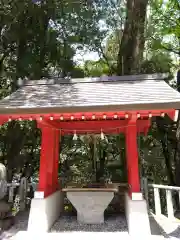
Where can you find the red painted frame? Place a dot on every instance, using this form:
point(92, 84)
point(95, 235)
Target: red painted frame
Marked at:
point(84, 127)
point(130, 123)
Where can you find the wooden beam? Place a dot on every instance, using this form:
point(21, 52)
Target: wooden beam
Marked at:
point(84, 127)
point(89, 115)
point(3, 120)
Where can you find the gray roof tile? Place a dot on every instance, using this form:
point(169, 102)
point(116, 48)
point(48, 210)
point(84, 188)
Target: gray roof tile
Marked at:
point(97, 95)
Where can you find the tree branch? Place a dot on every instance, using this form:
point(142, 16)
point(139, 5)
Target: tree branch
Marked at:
point(111, 68)
point(171, 50)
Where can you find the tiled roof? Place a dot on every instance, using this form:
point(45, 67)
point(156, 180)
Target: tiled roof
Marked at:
point(119, 93)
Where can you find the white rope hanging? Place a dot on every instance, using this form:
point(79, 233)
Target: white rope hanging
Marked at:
point(102, 135)
point(92, 130)
point(75, 137)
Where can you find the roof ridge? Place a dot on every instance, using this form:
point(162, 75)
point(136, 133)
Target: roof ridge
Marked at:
point(56, 80)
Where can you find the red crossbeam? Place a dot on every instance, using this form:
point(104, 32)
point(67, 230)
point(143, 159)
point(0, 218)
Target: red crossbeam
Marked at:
point(88, 115)
point(84, 127)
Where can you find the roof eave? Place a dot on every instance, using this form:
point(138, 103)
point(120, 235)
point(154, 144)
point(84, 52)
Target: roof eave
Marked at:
point(115, 108)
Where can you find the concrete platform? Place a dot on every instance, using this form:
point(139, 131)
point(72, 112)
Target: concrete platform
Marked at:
point(45, 211)
point(137, 217)
point(79, 236)
point(114, 226)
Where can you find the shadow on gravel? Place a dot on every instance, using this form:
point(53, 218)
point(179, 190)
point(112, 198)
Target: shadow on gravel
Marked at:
point(175, 234)
point(156, 229)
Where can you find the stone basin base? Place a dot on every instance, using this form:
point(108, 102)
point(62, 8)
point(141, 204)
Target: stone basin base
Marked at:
point(90, 206)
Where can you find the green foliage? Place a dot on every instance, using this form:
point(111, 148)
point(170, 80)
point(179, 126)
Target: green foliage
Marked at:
point(112, 46)
point(37, 38)
point(164, 26)
point(81, 165)
point(96, 68)
point(159, 62)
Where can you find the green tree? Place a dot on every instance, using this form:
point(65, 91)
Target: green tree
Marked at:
point(96, 68)
point(164, 26)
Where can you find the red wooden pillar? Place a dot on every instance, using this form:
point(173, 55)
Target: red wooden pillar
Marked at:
point(56, 160)
point(48, 173)
point(132, 157)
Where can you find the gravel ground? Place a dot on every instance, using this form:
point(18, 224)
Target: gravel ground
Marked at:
point(21, 222)
point(116, 223)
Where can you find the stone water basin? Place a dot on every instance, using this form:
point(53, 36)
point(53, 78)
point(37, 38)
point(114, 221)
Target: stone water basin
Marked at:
point(90, 203)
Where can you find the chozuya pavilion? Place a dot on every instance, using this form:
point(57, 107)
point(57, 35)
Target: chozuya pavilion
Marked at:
point(113, 105)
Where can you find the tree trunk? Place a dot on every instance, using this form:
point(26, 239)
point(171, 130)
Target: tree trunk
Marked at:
point(166, 152)
point(21, 51)
point(132, 43)
point(46, 13)
point(177, 154)
point(43, 28)
point(15, 139)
